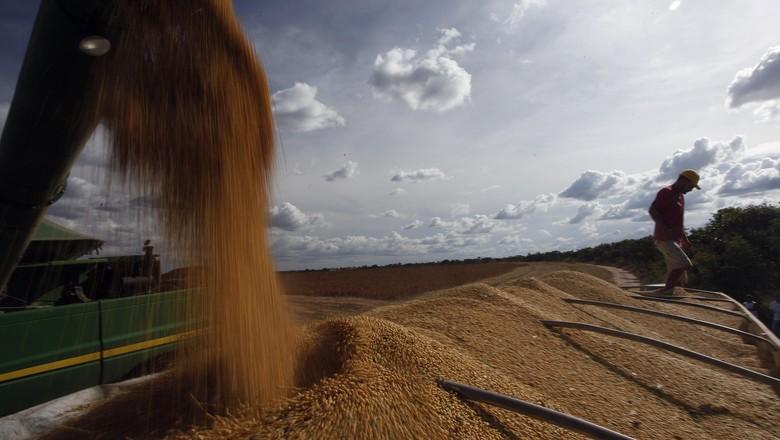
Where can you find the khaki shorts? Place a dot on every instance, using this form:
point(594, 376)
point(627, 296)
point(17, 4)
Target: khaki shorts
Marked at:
point(674, 255)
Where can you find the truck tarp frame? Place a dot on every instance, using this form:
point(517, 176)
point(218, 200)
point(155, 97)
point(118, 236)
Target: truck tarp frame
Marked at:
point(701, 306)
point(720, 327)
point(755, 375)
point(535, 411)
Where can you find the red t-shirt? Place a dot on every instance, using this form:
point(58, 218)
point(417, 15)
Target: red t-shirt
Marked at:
point(670, 205)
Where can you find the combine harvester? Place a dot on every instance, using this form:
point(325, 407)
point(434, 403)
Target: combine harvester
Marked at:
point(70, 323)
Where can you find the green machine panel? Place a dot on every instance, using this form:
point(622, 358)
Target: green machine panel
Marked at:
point(139, 329)
point(48, 353)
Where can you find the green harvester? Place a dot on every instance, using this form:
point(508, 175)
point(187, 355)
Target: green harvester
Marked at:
point(70, 321)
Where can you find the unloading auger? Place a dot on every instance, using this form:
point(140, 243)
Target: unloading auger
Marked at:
point(49, 120)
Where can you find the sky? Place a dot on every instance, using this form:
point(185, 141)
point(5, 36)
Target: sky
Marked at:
point(416, 131)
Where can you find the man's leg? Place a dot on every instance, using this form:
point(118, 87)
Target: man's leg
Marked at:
point(677, 263)
point(674, 278)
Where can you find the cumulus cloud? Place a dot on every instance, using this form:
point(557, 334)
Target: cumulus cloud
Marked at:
point(394, 244)
point(437, 222)
point(593, 209)
point(729, 169)
point(413, 225)
point(475, 224)
point(519, 210)
point(592, 185)
point(618, 212)
point(768, 111)
point(752, 176)
point(519, 10)
point(297, 109)
point(512, 212)
point(703, 154)
point(289, 218)
point(431, 81)
point(348, 171)
point(756, 84)
point(122, 219)
point(583, 212)
point(421, 175)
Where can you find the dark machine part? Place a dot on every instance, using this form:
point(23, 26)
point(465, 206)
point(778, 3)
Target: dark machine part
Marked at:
point(47, 124)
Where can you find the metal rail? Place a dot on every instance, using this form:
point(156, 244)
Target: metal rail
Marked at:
point(701, 306)
point(723, 296)
point(761, 377)
point(712, 292)
point(702, 298)
point(724, 328)
point(529, 409)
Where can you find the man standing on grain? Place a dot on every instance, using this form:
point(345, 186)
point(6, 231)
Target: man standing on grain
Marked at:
point(669, 235)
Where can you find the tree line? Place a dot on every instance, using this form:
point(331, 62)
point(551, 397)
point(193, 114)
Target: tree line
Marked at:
point(736, 252)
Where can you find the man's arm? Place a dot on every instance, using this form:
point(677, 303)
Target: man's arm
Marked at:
point(658, 219)
point(686, 245)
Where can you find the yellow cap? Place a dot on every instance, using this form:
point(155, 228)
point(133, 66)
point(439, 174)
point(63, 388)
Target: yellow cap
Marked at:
point(692, 176)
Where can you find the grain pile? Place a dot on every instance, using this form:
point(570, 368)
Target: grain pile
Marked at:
point(188, 115)
point(379, 377)
point(373, 375)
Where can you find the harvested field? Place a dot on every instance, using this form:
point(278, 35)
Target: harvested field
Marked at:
point(405, 281)
point(374, 375)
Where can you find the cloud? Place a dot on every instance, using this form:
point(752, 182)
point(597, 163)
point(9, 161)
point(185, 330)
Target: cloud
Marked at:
point(413, 225)
point(348, 171)
point(519, 210)
point(768, 111)
point(289, 218)
point(519, 10)
point(459, 209)
point(421, 175)
point(758, 83)
point(618, 212)
point(592, 185)
point(394, 244)
point(297, 109)
point(583, 212)
point(397, 192)
point(392, 213)
point(703, 154)
point(674, 5)
point(752, 176)
point(512, 212)
point(437, 222)
point(475, 224)
point(432, 81)
point(515, 241)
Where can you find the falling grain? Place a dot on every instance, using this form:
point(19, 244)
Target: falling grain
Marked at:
point(188, 115)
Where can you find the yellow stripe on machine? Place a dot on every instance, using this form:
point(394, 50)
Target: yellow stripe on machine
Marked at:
point(49, 366)
point(91, 357)
point(111, 352)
